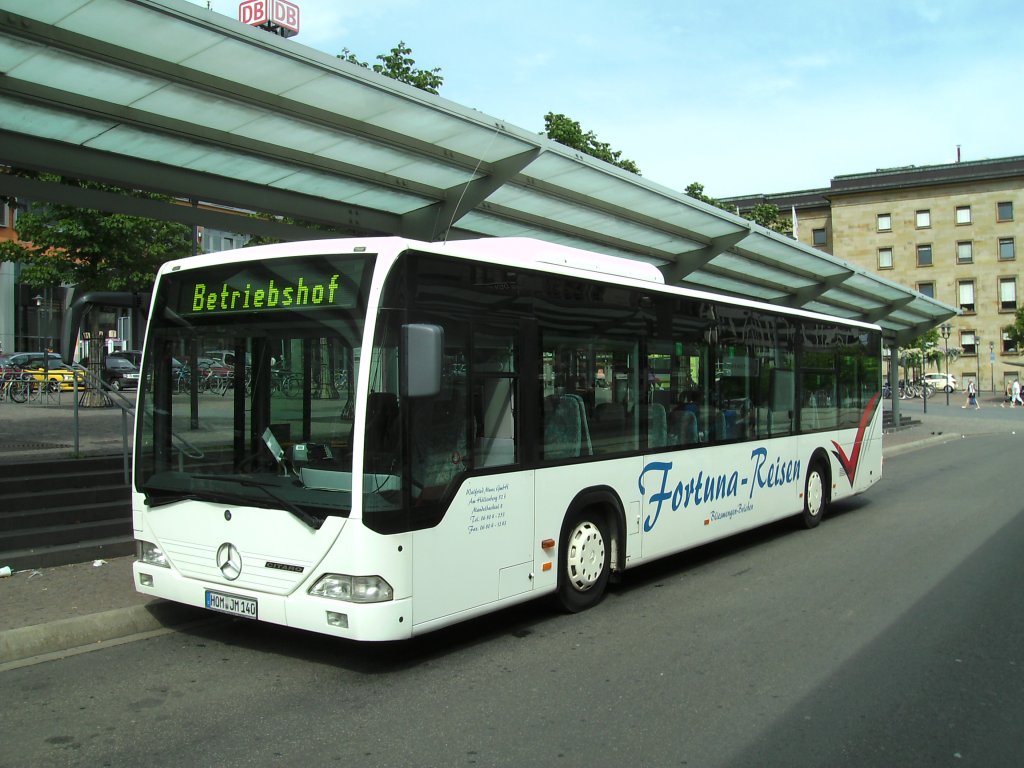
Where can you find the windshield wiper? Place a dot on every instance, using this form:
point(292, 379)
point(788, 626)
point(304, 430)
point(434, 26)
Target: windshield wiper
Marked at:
point(158, 497)
point(247, 482)
point(154, 497)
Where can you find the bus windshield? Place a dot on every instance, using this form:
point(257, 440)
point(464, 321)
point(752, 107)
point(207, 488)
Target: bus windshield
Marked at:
point(249, 381)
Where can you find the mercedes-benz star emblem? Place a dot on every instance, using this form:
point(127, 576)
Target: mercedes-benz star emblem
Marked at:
point(229, 561)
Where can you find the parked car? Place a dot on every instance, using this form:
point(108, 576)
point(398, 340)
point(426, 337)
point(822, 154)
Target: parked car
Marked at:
point(117, 372)
point(133, 356)
point(223, 358)
point(34, 359)
point(941, 381)
point(120, 373)
point(47, 366)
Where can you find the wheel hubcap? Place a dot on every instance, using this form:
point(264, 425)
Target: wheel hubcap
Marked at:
point(814, 494)
point(585, 556)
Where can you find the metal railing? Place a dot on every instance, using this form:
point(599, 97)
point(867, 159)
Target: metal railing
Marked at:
point(115, 398)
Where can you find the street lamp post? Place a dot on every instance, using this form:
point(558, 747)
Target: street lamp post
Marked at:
point(945, 329)
point(44, 315)
point(992, 363)
point(924, 381)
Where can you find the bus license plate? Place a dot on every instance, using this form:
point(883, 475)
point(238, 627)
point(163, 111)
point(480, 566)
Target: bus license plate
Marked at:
point(233, 604)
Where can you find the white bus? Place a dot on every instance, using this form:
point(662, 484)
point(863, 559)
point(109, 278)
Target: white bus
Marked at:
point(420, 433)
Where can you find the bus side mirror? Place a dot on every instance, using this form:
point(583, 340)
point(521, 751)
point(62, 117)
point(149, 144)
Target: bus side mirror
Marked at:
point(422, 356)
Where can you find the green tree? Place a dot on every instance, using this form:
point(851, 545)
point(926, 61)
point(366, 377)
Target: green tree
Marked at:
point(696, 190)
point(399, 65)
point(569, 132)
point(1015, 331)
point(63, 245)
point(921, 351)
point(765, 214)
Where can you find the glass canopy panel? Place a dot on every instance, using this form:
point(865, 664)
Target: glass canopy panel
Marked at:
point(611, 203)
point(281, 130)
point(149, 145)
point(334, 92)
point(856, 300)
point(766, 273)
point(48, 13)
point(831, 309)
point(351, 191)
point(137, 28)
point(248, 63)
point(875, 286)
point(243, 167)
point(703, 280)
point(387, 199)
point(46, 123)
point(85, 77)
point(190, 104)
point(14, 52)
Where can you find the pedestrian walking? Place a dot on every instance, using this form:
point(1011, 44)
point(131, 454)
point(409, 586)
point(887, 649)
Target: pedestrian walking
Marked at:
point(1015, 394)
point(972, 396)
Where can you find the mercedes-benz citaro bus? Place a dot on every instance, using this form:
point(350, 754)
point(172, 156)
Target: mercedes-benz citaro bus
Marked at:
point(415, 434)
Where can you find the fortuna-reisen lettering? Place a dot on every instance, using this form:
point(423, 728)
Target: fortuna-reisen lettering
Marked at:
point(703, 489)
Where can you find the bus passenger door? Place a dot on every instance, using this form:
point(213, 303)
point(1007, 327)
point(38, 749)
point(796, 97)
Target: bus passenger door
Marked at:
point(480, 551)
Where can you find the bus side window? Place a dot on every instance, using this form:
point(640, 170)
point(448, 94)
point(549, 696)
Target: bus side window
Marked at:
point(495, 384)
point(438, 432)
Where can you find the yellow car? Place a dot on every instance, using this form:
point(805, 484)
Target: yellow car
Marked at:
point(58, 373)
point(59, 378)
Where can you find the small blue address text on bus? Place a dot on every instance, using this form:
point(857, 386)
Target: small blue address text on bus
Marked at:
point(662, 487)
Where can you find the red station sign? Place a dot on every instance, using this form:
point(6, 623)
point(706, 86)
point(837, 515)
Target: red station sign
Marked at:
point(278, 16)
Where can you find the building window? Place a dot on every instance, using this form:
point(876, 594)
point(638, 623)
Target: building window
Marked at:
point(963, 214)
point(1006, 249)
point(885, 258)
point(964, 252)
point(923, 219)
point(1004, 211)
point(968, 343)
point(1008, 343)
point(3, 214)
point(965, 290)
point(924, 255)
point(926, 289)
point(885, 222)
point(820, 237)
point(1007, 294)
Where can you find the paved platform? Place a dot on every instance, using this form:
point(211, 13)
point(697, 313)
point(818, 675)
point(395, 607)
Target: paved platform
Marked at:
point(65, 609)
point(46, 429)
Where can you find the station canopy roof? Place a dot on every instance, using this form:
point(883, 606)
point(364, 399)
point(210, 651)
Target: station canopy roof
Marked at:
point(173, 98)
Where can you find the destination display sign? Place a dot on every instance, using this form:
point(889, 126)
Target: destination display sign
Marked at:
point(281, 285)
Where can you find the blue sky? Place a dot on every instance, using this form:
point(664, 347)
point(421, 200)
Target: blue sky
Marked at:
point(743, 97)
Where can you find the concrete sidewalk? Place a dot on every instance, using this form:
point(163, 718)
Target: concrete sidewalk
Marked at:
point(46, 429)
point(60, 610)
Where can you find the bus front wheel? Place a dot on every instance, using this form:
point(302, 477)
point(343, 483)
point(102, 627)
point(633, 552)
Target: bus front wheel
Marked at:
point(584, 560)
point(815, 495)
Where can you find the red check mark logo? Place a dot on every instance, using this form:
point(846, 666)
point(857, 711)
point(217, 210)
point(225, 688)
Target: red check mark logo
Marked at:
point(850, 462)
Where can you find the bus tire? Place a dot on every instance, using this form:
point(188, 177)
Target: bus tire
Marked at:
point(816, 494)
point(584, 559)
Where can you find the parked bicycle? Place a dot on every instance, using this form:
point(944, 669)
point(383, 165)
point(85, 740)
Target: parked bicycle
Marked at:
point(15, 386)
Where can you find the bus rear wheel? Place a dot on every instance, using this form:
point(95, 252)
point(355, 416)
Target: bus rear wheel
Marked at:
point(815, 495)
point(584, 560)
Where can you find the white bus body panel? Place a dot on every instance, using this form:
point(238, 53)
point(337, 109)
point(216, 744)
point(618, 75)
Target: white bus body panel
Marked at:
point(480, 553)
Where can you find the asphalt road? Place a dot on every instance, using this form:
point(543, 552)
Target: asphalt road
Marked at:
point(890, 636)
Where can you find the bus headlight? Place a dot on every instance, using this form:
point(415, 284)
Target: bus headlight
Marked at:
point(353, 589)
point(150, 554)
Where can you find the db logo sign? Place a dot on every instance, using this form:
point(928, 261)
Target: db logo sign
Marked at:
point(270, 14)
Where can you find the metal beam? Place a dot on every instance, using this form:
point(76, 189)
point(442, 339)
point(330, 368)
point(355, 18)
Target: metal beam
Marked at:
point(34, 153)
point(179, 211)
point(686, 263)
point(434, 222)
